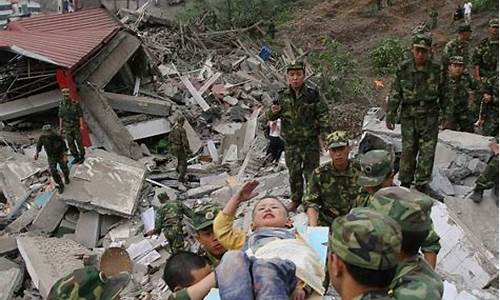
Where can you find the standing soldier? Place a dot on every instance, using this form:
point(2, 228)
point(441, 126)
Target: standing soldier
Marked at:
point(433, 14)
point(417, 91)
point(180, 147)
point(332, 187)
point(456, 92)
point(304, 120)
point(459, 46)
point(485, 57)
point(55, 147)
point(488, 120)
point(70, 123)
point(489, 177)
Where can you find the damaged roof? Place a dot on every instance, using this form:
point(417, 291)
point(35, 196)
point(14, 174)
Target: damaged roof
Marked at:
point(61, 39)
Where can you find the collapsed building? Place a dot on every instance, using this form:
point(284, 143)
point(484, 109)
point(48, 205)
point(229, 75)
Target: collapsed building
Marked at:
point(131, 76)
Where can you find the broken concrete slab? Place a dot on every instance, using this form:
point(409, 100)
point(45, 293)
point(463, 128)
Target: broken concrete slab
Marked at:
point(214, 154)
point(107, 183)
point(7, 244)
point(473, 144)
point(50, 215)
point(88, 228)
point(149, 128)
point(10, 281)
point(136, 104)
point(196, 95)
point(107, 222)
point(441, 183)
point(230, 100)
point(202, 190)
point(194, 140)
point(227, 128)
point(23, 220)
point(214, 179)
point(462, 257)
point(49, 259)
point(30, 105)
point(231, 155)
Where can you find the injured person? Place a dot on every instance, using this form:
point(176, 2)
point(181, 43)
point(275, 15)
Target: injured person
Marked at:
point(273, 262)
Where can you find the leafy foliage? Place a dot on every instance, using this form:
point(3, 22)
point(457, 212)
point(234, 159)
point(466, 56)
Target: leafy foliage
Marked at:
point(385, 58)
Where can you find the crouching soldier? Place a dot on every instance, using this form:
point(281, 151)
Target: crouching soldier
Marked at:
point(55, 147)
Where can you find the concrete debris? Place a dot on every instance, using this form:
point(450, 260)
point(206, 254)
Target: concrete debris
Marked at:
point(50, 214)
point(138, 104)
point(214, 154)
point(7, 244)
point(149, 128)
point(230, 100)
point(220, 179)
point(88, 228)
point(195, 142)
point(11, 278)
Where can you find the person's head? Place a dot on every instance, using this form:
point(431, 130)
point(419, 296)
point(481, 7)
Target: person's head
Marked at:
point(66, 94)
point(411, 209)
point(180, 119)
point(47, 129)
point(421, 48)
point(339, 149)
point(376, 170)
point(183, 269)
point(456, 66)
point(464, 32)
point(493, 28)
point(270, 212)
point(163, 198)
point(88, 283)
point(364, 250)
point(203, 219)
point(296, 74)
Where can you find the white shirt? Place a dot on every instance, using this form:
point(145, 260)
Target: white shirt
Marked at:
point(467, 8)
point(275, 128)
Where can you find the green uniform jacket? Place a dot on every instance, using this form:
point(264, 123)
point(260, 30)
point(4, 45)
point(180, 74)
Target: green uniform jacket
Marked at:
point(456, 94)
point(332, 193)
point(304, 117)
point(456, 48)
point(179, 140)
point(53, 144)
point(486, 57)
point(372, 296)
point(415, 280)
point(70, 113)
point(417, 93)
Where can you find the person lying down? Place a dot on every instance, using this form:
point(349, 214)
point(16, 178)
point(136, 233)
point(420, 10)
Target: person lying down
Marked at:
point(272, 262)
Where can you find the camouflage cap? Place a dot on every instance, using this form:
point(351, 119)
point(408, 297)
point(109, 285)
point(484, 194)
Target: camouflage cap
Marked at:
point(464, 28)
point(204, 216)
point(367, 239)
point(422, 41)
point(459, 60)
point(88, 283)
point(296, 65)
point(376, 165)
point(493, 22)
point(410, 208)
point(47, 128)
point(337, 139)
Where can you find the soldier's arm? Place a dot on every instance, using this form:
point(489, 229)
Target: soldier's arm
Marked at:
point(395, 98)
point(476, 61)
point(229, 237)
point(323, 116)
point(39, 145)
point(431, 246)
point(80, 114)
point(312, 199)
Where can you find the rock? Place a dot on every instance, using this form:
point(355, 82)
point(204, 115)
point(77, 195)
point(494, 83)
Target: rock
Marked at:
point(441, 184)
point(230, 100)
point(476, 166)
point(202, 190)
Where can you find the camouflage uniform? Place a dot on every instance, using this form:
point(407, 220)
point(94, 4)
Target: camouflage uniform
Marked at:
point(90, 284)
point(434, 18)
point(368, 240)
point(376, 166)
point(489, 111)
point(414, 278)
point(70, 113)
point(180, 148)
point(169, 219)
point(456, 47)
point(329, 191)
point(55, 147)
point(304, 117)
point(486, 55)
point(418, 93)
point(202, 218)
point(487, 180)
point(456, 93)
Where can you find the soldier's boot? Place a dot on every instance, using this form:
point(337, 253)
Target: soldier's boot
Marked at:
point(477, 195)
point(426, 189)
point(406, 184)
point(66, 179)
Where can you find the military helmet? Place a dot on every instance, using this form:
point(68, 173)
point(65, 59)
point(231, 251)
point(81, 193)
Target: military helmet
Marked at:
point(203, 216)
point(47, 128)
point(367, 239)
point(410, 208)
point(376, 165)
point(422, 41)
point(493, 22)
point(88, 283)
point(296, 65)
point(459, 60)
point(464, 28)
point(337, 139)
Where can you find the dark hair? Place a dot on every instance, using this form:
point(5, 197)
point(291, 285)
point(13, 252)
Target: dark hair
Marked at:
point(371, 278)
point(412, 241)
point(178, 269)
point(268, 197)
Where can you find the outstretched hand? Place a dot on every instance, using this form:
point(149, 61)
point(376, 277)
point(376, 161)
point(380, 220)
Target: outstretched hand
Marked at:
point(247, 191)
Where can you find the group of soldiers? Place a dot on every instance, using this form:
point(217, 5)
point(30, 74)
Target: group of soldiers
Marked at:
point(70, 124)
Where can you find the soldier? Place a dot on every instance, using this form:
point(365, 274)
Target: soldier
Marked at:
point(456, 91)
point(417, 91)
point(304, 120)
point(488, 178)
point(203, 220)
point(169, 219)
point(485, 56)
point(55, 147)
point(433, 14)
point(377, 173)
point(332, 187)
point(70, 123)
point(459, 46)
point(488, 120)
point(415, 278)
point(364, 253)
point(180, 147)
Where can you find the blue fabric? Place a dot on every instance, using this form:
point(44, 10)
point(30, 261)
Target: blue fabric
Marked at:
point(240, 277)
point(262, 236)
